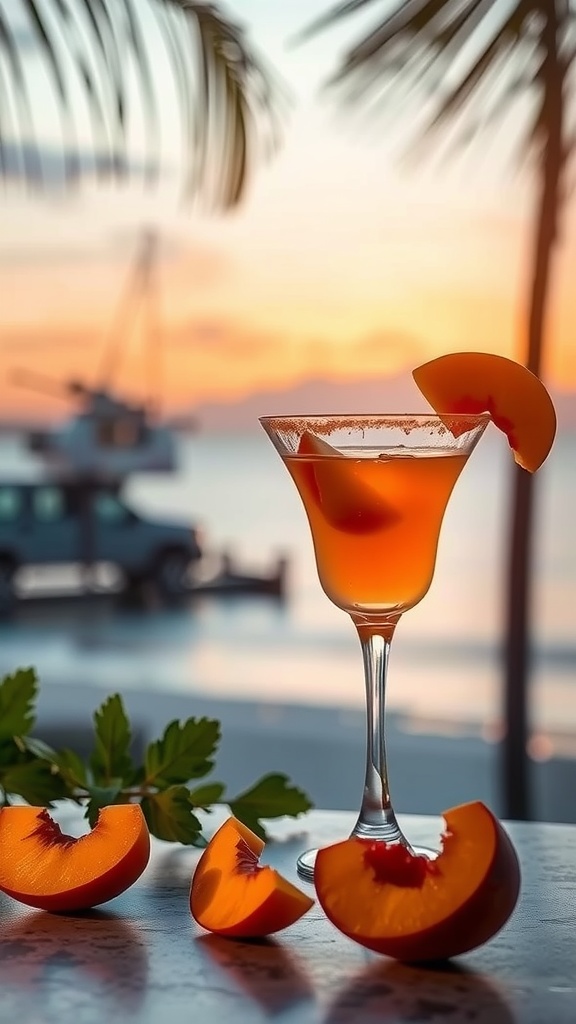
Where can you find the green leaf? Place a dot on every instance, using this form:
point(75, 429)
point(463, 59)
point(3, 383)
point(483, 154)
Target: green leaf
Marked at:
point(169, 816)
point(183, 752)
point(111, 757)
point(72, 767)
point(10, 752)
point(33, 770)
point(205, 796)
point(35, 782)
point(66, 762)
point(102, 796)
point(270, 797)
point(18, 694)
point(39, 748)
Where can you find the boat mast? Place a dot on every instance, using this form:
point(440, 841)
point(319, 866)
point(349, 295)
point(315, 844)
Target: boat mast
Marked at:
point(141, 287)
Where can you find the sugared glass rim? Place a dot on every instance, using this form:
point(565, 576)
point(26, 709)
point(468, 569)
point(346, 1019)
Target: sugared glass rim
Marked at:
point(335, 421)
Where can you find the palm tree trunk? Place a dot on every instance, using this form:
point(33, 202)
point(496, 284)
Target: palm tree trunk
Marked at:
point(516, 788)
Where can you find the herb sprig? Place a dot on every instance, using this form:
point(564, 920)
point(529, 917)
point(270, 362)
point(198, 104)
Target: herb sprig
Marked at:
point(165, 783)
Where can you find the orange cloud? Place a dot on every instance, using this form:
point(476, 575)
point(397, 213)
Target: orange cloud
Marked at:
point(387, 351)
point(198, 359)
point(218, 338)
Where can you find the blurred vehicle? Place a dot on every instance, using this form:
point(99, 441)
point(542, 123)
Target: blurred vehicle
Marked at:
point(67, 522)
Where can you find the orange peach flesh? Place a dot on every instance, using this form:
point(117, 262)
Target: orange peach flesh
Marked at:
point(232, 894)
point(44, 868)
point(466, 897)
point(517, 401)
point(347, 501)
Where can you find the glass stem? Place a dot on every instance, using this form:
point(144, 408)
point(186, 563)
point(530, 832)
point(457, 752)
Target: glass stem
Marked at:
point(376, 819)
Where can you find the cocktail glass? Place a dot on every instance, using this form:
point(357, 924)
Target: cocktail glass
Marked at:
point(375, 488)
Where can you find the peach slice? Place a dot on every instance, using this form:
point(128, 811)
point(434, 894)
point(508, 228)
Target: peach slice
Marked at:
point(232, 894)
point(46, 869)
point(415, 909)
point(518, 402)
point(348, 502)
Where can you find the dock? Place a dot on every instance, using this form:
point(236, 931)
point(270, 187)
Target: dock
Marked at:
point(227, 578)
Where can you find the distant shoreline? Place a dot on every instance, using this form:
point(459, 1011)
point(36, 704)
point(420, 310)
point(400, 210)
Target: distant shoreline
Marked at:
point(308, 395)
point(186, 426)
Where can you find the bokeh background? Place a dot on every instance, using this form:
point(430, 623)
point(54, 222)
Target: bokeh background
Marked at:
point(344, 264)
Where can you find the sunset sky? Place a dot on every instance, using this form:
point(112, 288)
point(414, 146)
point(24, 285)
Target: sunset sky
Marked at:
point(341, 261)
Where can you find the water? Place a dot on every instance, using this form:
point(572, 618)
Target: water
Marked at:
point(445, 664)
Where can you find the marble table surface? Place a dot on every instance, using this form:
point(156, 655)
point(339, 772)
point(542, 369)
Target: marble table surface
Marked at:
point(142, 958)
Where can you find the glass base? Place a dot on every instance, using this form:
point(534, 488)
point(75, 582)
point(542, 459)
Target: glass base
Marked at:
point(305, 865)
point(306, 861)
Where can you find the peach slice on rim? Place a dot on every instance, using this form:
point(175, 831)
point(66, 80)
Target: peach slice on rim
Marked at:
point(517, 400)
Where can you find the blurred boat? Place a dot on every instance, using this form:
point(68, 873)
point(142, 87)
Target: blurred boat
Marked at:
point(108, 438)
point(87, 459)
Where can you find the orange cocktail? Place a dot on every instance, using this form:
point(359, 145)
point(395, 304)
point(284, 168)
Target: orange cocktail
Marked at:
point(377, 551)
point(375, 489)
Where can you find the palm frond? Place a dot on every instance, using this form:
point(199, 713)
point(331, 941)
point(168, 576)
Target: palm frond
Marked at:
point(489, 63)
point(329, 18)
point(225, 119)
point(37, 21)
point(146, 83)
point(30, 166)
point(98, 58)
point(410, 23)
point(450, 54)
point(240, 105)
point(413, 58)
point(69, 30)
